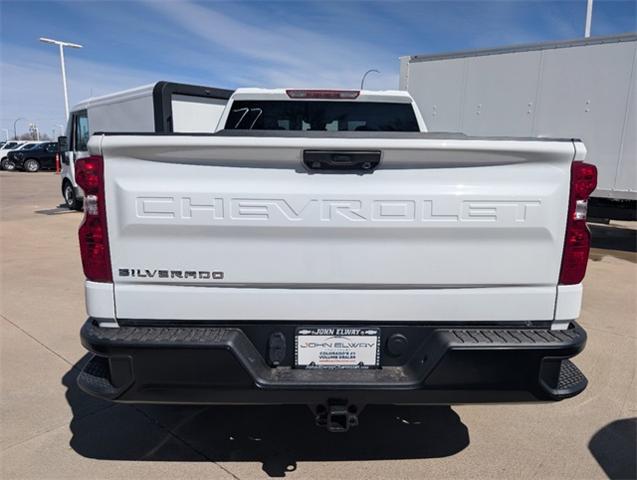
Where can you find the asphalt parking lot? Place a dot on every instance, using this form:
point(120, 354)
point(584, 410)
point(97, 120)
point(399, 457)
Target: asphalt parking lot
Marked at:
point(50, 429)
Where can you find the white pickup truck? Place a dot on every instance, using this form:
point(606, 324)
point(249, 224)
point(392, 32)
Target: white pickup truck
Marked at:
point(323, 248)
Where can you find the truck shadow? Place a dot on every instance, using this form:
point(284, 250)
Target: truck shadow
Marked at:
point(276, 436)
point(615, 448)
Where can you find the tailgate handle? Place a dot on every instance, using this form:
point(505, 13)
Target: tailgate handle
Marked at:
point(329, 161)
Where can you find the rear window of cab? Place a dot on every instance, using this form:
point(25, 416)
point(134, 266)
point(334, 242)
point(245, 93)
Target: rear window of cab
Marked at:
point(321, 116)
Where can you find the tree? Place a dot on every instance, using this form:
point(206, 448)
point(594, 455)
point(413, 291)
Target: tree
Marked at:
point(31, 136)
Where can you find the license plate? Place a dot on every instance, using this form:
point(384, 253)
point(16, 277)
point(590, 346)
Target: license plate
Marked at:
point(337, 347)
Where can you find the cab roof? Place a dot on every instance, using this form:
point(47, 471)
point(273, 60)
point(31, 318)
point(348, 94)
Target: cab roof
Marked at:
point(395, 96)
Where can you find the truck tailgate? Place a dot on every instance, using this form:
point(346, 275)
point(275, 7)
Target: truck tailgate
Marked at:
point(235, 228)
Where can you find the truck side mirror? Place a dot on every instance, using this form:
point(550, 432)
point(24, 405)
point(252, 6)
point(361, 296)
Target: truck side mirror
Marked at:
point(63, 144)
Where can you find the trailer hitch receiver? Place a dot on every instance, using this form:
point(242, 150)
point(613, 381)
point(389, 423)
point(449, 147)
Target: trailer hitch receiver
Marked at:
point(337, 415)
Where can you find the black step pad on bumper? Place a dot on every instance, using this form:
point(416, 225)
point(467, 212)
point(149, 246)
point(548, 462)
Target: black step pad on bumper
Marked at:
point(570, 381)
point(216, 365)
point(205, 336)
point(527, 338)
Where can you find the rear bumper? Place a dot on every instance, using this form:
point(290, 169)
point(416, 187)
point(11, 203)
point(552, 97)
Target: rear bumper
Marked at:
point(229, 365)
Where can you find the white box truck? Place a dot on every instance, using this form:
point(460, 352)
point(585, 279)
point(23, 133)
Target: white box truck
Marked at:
point(574, 89)
point(162, 107)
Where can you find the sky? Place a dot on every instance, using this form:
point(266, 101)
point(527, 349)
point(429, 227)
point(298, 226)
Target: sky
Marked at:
point(232, 44)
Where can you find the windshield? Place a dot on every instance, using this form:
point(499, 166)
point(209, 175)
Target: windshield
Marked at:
point(10, 145)
point(29, 146)
point(322, 115)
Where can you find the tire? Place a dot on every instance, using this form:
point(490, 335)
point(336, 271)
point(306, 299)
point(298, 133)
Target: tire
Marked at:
point(70, 197)
point(31, 165)
point(7, 165)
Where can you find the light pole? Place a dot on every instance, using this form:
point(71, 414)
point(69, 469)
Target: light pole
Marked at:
point(61, 45)
point(365, 76)
point(33, 128)
point(15, 133)
point(589, 18)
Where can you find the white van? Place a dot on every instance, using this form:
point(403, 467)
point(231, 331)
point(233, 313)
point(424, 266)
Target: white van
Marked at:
point(163, 107)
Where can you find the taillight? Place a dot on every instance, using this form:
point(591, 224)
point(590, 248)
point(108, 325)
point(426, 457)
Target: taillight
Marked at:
point(325, 94)
point(96, 260)
point(578, 238)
